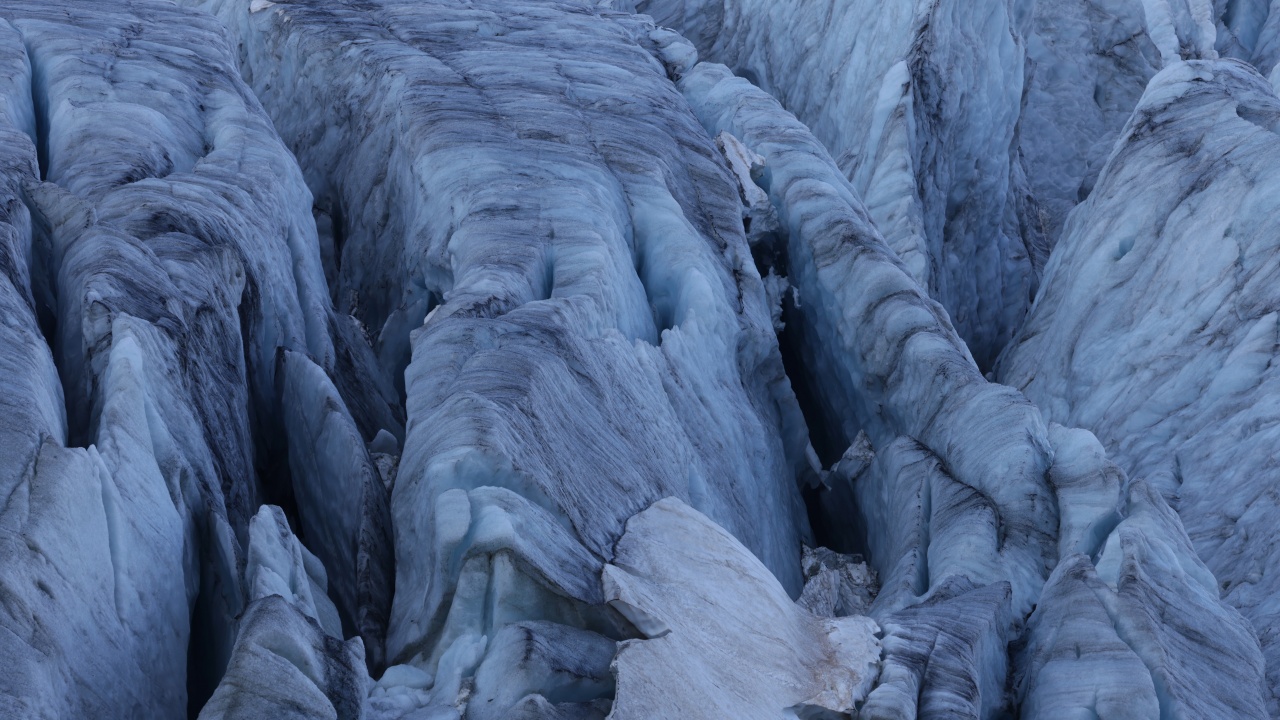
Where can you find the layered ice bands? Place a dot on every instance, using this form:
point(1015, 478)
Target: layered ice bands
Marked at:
point(434, 360)
point(1130, 623)
point(902, 370)
point(919, 103)
point(969, 130)
point(955, 504)
point(1168, 272)
point(962, 489)
point(159, 251)
point(524, 199)
point(1088, 63)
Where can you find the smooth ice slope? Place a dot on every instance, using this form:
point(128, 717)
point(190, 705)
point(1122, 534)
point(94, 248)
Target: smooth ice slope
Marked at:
point(720, 633)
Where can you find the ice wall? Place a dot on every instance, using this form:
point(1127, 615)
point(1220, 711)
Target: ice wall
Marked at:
point(919, 103)
point(159, 252)
point(963, 542)
point(289, 660)
point(1168, 361)
point(526, 203)
point(544, 460)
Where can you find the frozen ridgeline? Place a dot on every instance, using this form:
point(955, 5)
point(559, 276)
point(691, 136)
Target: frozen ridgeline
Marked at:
point(408, 359)
point(1173, 276)
point(918, 102)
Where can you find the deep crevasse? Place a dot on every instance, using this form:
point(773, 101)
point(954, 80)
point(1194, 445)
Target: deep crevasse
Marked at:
point(172, 256)
point(545, 459)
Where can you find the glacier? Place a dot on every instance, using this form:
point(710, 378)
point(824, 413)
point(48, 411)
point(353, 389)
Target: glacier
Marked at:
point(1188, 406)
point(919, 103)
point(585, 359)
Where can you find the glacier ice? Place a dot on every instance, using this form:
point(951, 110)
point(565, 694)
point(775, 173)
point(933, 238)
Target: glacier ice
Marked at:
point(163, 258)
point(1145, 599)
point(1088, 62)
point(918, 102)
point(343, 504)
point(945, 521)
point(289, 660)
point(720, 633)
point(571, 362)
point(1186, 403)
point(412, 359)
point(907, 377)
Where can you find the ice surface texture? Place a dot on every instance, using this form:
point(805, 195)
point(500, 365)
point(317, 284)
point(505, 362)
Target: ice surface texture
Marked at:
point(919, 103)
point(596, 336)
point(165, 257)
point(943, 538)
point(416, 359)
point(1173, 283)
